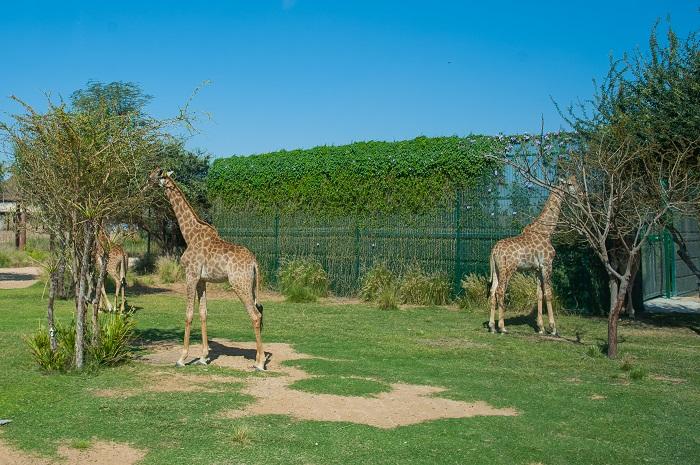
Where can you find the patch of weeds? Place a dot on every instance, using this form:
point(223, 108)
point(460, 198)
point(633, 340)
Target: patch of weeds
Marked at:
point(375, 281)
point(594, 351)
point(241, 435)
point(476, 292)
point(341, 385)
point(420, 288)
point(303, 280)
point(81, 444)
point(637, 373)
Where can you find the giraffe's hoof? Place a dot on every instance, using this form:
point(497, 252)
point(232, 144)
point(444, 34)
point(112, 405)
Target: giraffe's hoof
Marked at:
point(540, 331)
point(179, 364)
point(492, 328)
point(201, 361)
point(503, 331)
point(554, 333)
point(259, 368)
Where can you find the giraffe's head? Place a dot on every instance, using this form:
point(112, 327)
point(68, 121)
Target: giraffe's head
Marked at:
point(569, 185)
point(160, 176)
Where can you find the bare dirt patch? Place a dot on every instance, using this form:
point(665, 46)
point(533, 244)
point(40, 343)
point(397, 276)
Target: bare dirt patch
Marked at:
point(99, 453)
point(18, 278)
point(405, 404)
point(668, 379)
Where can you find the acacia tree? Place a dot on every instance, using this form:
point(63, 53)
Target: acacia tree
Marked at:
point(77, 169)
point(655, 97)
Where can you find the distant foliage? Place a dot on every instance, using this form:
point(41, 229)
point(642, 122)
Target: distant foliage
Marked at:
point(363, 177)
point(303, 280)
point(169, 269)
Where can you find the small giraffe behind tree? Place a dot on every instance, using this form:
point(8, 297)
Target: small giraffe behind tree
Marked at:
point(531, 250)
point(117, 265)
point(209, 258)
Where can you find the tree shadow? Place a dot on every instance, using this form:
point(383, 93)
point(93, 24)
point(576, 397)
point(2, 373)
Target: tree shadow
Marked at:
point(670, 320)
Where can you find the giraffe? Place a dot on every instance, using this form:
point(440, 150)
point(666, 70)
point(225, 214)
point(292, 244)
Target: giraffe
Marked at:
point(531, 250)
point(117, 264)
point(209, 258)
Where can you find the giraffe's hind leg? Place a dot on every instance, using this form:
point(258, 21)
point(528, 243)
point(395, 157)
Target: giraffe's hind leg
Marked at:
point(540, 286)
point(501, 299)
point(492, 302)
point(547, 285)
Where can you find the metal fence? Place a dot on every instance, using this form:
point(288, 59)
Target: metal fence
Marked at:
point(455, 240)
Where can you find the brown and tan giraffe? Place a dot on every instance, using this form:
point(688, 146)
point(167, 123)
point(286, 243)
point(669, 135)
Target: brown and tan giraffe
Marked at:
point(117, 264)
point(209, 258)
point(531, 250)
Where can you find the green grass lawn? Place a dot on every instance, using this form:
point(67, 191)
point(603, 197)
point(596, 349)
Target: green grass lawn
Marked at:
point(576, 407)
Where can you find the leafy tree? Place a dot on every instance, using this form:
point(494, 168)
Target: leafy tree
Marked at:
point(190, 167)
point(117, 97)
point(78, 169)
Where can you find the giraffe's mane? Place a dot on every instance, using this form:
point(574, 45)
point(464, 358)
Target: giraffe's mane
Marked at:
point(187, 202)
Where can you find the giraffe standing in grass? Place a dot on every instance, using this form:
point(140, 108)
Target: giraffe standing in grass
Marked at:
point(531, 250)
point(117, 264)
point(208, 258)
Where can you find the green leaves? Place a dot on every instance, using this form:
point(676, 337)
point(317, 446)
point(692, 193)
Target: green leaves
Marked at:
point(364, 177)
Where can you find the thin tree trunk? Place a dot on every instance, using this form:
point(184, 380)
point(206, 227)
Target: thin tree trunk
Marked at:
point(613, 287)
point(88, 241)
point(614, 315)
point(98, 297)
point(52, 296)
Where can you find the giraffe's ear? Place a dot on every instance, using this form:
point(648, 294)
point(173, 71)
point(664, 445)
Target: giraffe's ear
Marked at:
point(169, 173)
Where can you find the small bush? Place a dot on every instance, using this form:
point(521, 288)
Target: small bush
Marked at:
point(420, 288)
point(638, 373)
point(114, 346)
point(11, 257)
point(145, 264)
point(378, 278)
point(116, 335)
point(169, 270)
point(388, 297)
point(475, 295)
point(40, 348)
point(303, 280)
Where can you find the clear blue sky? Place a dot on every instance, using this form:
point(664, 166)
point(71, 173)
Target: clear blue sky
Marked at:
point(300, 73)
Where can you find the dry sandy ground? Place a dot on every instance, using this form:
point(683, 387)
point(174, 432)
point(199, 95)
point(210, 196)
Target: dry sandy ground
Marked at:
point(99, 453)
point(17, 278)
point(405, 404)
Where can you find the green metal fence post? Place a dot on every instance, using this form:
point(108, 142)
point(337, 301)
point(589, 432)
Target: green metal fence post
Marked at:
point(669, 264)
point(276, 255)
point(458, 244)
point(357, 253)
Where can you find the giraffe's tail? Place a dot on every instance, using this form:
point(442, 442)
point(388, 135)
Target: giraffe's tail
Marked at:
point(256, 289)
point(493, 277)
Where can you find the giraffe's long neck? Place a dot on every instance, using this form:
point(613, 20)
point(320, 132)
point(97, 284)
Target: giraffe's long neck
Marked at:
point(546, 222)
point(186, 216)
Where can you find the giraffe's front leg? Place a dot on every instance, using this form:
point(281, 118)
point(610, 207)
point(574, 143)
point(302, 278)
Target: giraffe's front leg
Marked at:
point(191, 294)
point(202, 295)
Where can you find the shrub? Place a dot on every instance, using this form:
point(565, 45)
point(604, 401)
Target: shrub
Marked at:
point(388, 297)
point(378, 278)
point(114, 345)
point(169, 269)
point(116, 334)
point(11, 257)
point(475, 295)
point(420, 288)
point(303, 280)
point(146, 264)
point(40, 348)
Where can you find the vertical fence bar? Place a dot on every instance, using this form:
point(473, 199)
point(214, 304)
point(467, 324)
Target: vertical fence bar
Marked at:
point(276, 252)
point(458, 244)
point(357, 253)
